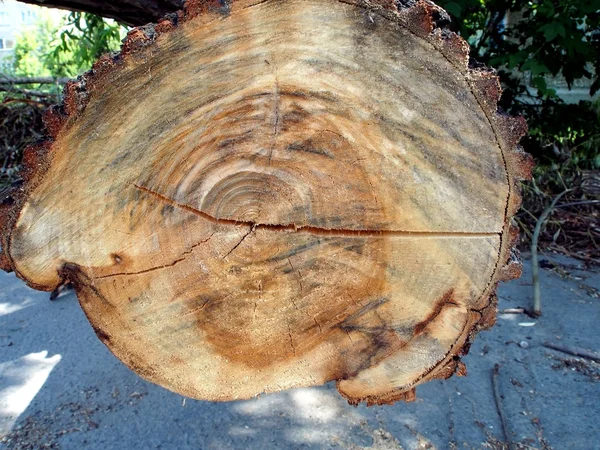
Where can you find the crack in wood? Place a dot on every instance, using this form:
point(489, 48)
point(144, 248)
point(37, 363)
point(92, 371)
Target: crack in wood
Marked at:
point(252, 228)
point(195, 310)
point(299, 274)
point(151, 269)
point(276, 111)
point(291, 338)
point(318, 231)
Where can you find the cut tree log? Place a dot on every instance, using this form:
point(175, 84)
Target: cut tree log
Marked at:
point(263, 195)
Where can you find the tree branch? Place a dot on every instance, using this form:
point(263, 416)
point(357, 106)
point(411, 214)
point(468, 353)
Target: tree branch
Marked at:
point(32, 80)
point(128, 12)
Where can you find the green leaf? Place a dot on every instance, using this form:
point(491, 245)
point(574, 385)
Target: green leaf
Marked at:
point(539, 83)
point(535, 67)
point(552, 31)
point(454, 9)
point(516, 59)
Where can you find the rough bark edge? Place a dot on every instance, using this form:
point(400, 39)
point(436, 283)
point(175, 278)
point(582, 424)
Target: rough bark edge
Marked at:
point(422, 18)
point(427, 21)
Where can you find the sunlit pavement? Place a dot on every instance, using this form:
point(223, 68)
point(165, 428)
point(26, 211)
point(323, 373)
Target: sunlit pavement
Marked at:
point(61, 388)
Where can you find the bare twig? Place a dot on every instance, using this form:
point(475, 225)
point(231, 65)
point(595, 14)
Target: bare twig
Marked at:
point(37, 103)
point(564, 251)
point(537, 301)
point(523, 227)
point(575, 351)
point(29, 92)
point(499, 408)
point(32, 80)
point(585, 202)
point(529, 213)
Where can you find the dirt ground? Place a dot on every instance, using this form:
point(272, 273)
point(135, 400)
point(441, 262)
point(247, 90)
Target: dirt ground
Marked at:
point(61, 388)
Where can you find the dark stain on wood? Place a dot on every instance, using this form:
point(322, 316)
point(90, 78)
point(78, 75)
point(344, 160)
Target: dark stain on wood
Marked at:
point(368, 307)
point(234, 326)
point(439, 305)
point(82, 282)
point(296, 250)
point(167, 210)
point(102, 335)
point(309, 146)
point(232, 141)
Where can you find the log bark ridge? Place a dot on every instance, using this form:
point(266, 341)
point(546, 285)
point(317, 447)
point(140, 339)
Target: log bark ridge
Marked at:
point(260, 195)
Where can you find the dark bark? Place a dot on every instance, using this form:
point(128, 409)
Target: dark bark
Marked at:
point(128, 12)
point(32, 80)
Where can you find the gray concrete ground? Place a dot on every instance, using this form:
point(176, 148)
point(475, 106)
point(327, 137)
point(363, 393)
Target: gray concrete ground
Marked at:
point(61, 388)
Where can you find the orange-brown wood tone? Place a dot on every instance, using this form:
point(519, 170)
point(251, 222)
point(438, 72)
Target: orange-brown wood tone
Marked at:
point(269, 194)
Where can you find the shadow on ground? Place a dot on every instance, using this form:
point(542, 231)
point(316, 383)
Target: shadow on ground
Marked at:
point(61, 388)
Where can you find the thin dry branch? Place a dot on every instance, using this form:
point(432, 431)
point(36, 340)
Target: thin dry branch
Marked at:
point(575, 351)
point(32, 80)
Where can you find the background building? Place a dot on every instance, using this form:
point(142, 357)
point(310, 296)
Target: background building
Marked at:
point(13, 17)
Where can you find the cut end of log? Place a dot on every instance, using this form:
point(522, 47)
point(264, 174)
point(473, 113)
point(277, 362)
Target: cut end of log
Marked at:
point(261, 195)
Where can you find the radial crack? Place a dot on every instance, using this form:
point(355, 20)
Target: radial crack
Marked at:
point(276, 110)
point(318, 231)
point(252, 228)
point(291, 338)
point(151, 269)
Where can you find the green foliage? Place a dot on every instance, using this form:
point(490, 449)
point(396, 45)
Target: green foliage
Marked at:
point(29, 59)
point(541, 41)
point(64, 48)
point(84, 38)
point(31, 49)
point(54, 47)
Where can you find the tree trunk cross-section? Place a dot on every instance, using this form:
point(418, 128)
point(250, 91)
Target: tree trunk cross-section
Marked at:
point(263, 195)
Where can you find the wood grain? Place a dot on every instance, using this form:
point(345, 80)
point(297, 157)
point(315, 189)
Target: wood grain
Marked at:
point(275, 194)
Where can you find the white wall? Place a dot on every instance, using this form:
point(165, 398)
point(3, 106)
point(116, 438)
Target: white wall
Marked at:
point(13, 16)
